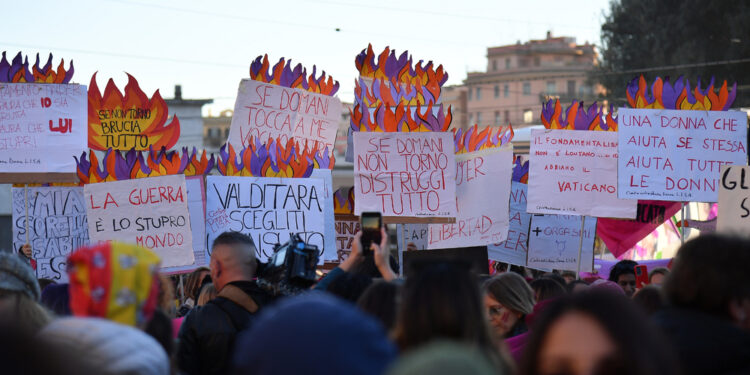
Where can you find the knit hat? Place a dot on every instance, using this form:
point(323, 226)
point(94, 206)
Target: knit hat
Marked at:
point(108, 347)
point(17, 276)
point(443, 357)
point(114, 280)
point(313, 334)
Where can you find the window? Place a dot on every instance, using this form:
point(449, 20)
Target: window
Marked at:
point(479, 93)
point(507, 116)
point(497, 117)
point(551, 87)
point(571, 88)
point(527, 88)
point(537, 61)
point(494, 65)
point(506, 90)
point(469, 96)
point(497, 91)
point(507, 63)
point(528, 116)
point(471, 119)
point(226, 132)
point(479, 118)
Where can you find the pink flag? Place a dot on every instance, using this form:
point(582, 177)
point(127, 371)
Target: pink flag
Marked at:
point(620, 235)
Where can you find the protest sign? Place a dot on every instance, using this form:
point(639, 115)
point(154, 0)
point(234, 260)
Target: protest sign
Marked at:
point(42, 126)
point(513, 249)
point(329, 252)
point(575, 173)
point(57, 226)
point(554, 241)
point(482, 189)
point(130, 120)
point(673, 155)
point(416, 234)
point(734, 200)
point(265, 111)
point(150, 212)
point(196, 200)
point(268, 209)
point(346, 227)
point(408, 175)
point(621, 235)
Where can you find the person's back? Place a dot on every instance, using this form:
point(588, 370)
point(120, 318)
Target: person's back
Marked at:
point(207, 335)
point(709, 318)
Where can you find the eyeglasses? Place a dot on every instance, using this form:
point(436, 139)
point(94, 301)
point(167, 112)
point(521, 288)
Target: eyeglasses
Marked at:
point(496, 311)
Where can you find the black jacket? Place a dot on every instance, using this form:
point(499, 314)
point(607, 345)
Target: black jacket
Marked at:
point(706, 344)
point(206, 338)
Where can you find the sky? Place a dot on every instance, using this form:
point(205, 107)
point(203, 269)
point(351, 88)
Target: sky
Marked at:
point(207, 46)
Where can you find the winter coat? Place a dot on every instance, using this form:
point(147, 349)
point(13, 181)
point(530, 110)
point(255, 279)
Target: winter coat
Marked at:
point(207, 335)
point(706, 344)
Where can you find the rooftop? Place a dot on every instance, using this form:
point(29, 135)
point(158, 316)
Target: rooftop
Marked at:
point(560, 44)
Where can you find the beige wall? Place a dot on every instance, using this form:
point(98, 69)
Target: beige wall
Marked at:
point(533, 72)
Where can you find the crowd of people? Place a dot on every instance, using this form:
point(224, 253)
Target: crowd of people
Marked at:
point(117, 315)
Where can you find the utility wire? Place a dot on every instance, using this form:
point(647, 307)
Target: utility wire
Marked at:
point(452, 15)
point(408, 36)
point(115, 54)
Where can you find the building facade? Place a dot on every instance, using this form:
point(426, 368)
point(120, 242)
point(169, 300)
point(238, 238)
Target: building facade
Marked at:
point(189, 112)
point(216, 130)
point(520, 77)
point(455, 97)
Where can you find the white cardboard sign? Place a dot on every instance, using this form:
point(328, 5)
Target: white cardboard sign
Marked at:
point(196, 200)
point(513, 249)
point(263, 110)
point(57, 226)
point(554, 241)
point(405, 174)
point(42, 126)
point(150, 212)
point(734, 200)
point(482, 191)
point(574, 172)
point(673, 155)
point(268, 209)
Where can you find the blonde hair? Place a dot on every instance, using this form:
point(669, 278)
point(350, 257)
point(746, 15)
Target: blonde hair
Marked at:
point(512, 291)
point(207, 293)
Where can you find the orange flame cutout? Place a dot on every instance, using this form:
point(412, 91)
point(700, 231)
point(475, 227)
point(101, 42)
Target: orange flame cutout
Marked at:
point(18, 71)
point(665, 95)
point(273, 160)
point(401, 119)
point(116, 167)
point(343, 201)
point(576, 117)
point(379, 91)
point(129, 121)
point(475, 140)
point(400, 69)
point(283, 74)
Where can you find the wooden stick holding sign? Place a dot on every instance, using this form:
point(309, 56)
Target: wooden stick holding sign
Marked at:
point(682, 217)
point(580, 247)
point(26, 207)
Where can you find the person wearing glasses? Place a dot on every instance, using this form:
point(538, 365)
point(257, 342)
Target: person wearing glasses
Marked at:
point(508, 299)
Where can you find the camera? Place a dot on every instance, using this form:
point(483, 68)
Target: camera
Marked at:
point(291, 269)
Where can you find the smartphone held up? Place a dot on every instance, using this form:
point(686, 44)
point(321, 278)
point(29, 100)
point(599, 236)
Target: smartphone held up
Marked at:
point(371, 224)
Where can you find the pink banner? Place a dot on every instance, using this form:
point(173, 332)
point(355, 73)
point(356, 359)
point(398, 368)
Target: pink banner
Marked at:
point(621, 235)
